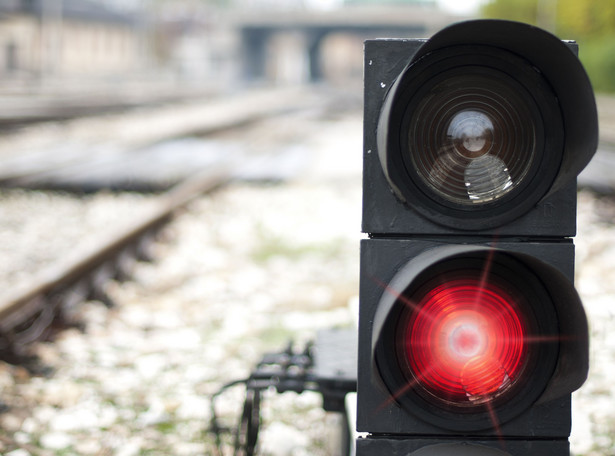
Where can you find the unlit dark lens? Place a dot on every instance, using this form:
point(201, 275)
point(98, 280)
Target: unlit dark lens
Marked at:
point(472, 139)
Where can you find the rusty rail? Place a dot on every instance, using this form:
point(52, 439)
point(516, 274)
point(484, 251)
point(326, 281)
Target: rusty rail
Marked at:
point(27, 313)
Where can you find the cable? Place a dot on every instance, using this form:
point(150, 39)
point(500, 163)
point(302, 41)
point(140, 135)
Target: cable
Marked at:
point(249, 425)
point(284, 371)
point(214, 426)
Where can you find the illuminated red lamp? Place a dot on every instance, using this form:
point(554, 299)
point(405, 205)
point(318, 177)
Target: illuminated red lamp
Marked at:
point(464, 341)
point(465, 336)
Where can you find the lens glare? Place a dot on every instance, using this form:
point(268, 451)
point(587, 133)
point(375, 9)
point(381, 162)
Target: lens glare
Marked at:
point(472, 139)
point(465, 342)
point(471, 133)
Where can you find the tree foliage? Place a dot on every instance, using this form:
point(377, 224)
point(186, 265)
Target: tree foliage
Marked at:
point(515, 10)
point(590, 22)
point(587, 18)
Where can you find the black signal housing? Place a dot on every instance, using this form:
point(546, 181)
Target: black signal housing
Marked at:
point(546, 75)
point(472, 336)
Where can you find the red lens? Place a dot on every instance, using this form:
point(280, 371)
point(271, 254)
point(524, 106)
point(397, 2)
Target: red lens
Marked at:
point(464, 341)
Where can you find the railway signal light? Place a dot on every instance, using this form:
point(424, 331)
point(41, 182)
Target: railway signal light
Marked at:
point(472, 336)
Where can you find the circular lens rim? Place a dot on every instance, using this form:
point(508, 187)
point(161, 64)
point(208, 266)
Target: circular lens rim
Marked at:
point(415, 363)
point(483, 92)
point(417, 79)
point(542, 323)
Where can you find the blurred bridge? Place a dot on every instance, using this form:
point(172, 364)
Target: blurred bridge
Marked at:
point(309, 30)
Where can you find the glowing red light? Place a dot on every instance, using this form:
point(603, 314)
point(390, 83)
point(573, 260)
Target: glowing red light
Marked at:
point(465, 341)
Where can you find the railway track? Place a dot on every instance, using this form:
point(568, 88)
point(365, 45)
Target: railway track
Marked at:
point(28, 312)
point(25, 107)
point(128, 150)
point(260, 277)
point(230, 280)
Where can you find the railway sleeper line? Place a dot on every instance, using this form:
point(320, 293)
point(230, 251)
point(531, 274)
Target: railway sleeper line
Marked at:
point(50, 310)
point(49, 301)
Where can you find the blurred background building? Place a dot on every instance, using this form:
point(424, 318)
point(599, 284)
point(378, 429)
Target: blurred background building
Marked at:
point(63, 44)
point(68, 44)
point(55, 39)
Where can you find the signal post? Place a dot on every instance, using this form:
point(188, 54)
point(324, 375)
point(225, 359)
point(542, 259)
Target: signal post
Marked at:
point(472, 336)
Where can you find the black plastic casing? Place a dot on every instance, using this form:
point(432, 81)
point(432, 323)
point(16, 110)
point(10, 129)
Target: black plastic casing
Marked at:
point(383, 259)
point(400, 236)
point(384, 213)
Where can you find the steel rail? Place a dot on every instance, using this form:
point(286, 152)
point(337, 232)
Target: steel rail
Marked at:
point(27, 311)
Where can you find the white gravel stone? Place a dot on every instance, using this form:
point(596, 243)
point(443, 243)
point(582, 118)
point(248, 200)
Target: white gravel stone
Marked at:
point(283, 440)
point(18, 452)
point(56, 440)
point(240, 273)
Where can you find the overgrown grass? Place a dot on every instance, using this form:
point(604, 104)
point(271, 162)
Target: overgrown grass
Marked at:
point(272, 246)
point(598, 57)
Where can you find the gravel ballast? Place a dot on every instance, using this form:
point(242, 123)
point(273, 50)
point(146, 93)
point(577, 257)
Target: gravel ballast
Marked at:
point(237, 274)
